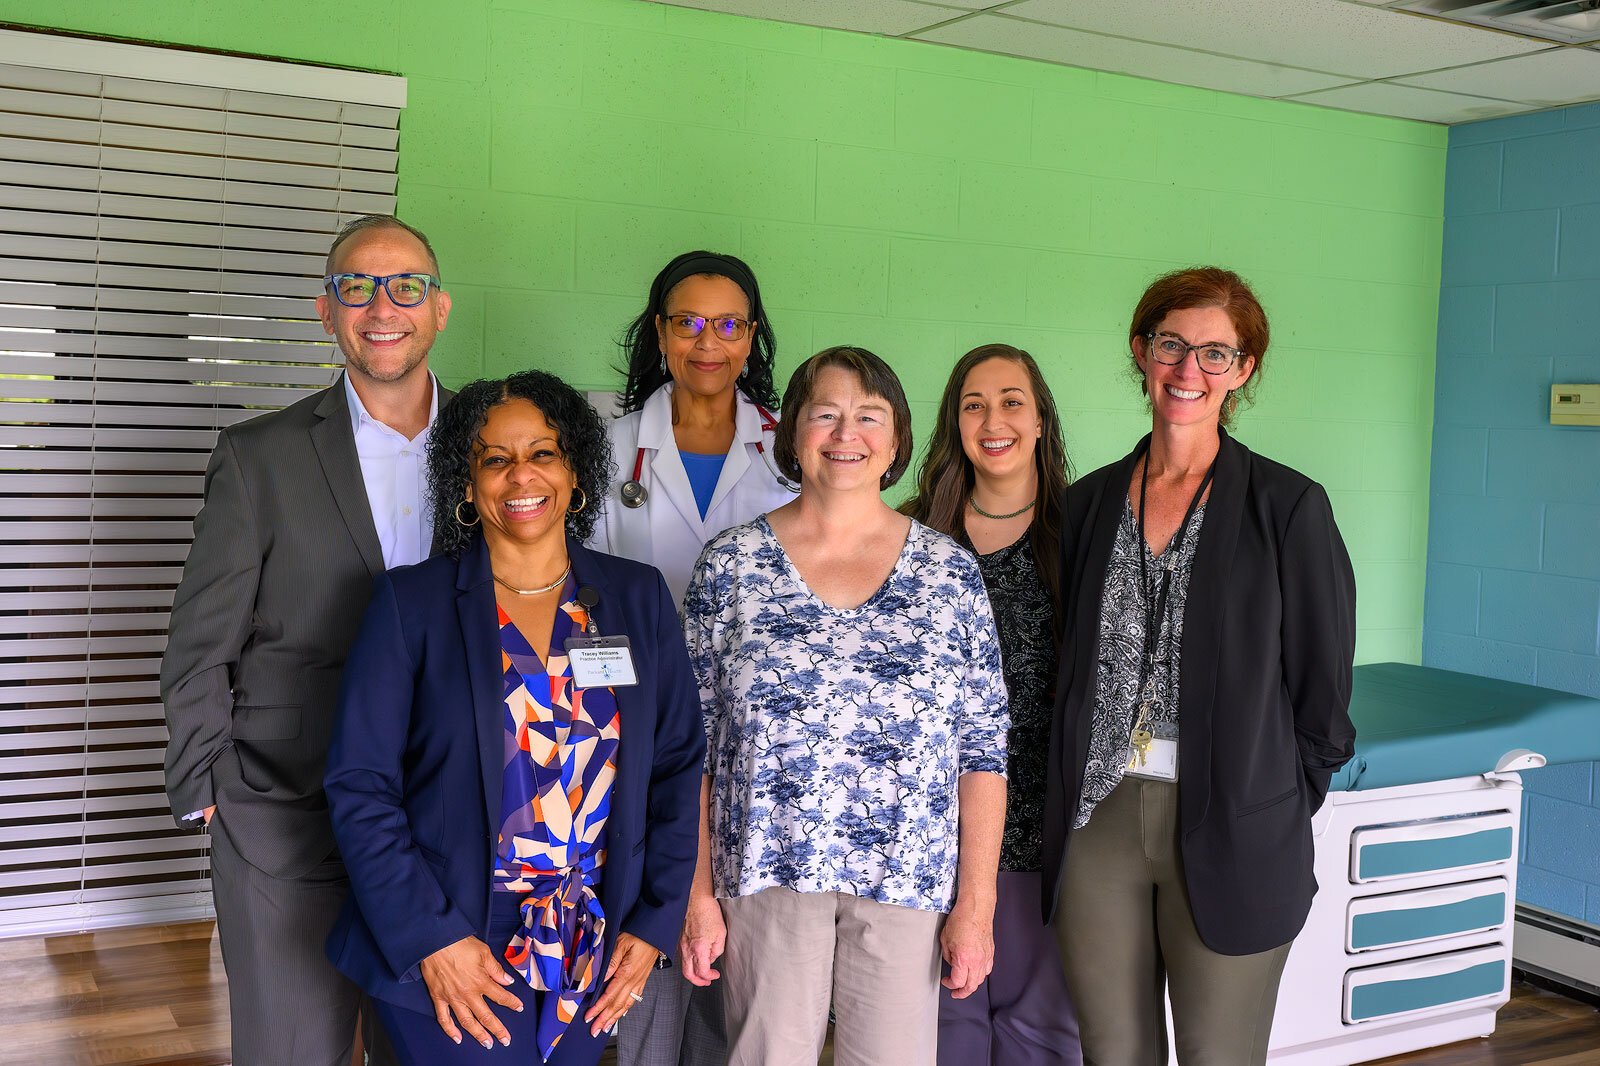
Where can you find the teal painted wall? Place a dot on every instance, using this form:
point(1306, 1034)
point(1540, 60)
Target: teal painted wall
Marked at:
point(912, 198)
point(1513, 576)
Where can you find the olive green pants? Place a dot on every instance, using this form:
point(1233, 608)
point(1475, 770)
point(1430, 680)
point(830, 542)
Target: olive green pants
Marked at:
point(1125, 930)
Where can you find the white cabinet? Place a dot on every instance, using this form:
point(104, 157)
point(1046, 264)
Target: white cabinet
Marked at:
point(1408, 944)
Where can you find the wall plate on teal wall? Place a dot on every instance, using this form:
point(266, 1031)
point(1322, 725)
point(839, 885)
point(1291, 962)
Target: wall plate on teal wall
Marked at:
point(1513, 585)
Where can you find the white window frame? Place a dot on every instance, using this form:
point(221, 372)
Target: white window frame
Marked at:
point(156, 284)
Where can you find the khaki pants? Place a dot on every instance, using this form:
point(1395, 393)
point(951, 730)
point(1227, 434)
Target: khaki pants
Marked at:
point(1125, 931)
point(789, 952)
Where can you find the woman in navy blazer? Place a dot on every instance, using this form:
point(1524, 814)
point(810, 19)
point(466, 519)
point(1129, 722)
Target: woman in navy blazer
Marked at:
point(421, 758)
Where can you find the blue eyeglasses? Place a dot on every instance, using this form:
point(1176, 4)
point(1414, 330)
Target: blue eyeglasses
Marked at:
point(724, 328)
point(358, 290)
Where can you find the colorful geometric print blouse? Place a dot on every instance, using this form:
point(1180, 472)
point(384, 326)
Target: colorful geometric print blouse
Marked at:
point(560, 762)
point(837, 737)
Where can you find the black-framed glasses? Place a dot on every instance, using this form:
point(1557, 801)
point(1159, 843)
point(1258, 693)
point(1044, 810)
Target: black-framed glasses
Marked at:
point(724, 327)
point(1171, 349)
point(358, 290)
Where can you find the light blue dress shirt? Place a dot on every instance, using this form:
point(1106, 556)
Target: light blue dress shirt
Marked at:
point(395, 472)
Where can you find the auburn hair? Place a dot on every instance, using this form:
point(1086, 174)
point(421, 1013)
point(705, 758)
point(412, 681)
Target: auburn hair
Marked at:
point(1207, 286)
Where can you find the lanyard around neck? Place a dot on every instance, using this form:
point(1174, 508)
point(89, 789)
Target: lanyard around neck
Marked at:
point(1156, 606)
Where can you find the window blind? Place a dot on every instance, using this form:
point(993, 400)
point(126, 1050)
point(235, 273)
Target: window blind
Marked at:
point(161, 242)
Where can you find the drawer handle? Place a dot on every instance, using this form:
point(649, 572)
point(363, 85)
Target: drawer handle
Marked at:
point(1397, 858)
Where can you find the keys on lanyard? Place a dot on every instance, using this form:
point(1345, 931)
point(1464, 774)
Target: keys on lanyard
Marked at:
point(1142, 737)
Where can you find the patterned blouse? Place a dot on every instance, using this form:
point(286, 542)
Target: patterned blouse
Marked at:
point(1122, 631)
point(560, 762)
point(1024, 616)
point(837, 736)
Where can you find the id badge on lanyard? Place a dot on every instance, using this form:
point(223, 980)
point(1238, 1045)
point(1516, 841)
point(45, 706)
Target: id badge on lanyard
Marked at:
point(597, 661)
point(1151, 756)
point(1153, 746)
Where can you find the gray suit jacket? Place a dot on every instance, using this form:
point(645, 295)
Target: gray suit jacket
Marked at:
point(284, 555)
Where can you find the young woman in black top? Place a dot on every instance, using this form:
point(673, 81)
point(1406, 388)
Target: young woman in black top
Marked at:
point(993, 478)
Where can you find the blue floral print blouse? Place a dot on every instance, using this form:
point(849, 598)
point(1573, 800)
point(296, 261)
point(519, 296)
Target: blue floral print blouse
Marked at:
point(836, 736)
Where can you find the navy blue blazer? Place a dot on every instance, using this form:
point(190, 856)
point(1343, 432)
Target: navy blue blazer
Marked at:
point(415, 767)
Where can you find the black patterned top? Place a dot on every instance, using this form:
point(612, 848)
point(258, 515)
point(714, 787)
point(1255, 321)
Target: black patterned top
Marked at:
point(1122, 625)
point(1024, 616)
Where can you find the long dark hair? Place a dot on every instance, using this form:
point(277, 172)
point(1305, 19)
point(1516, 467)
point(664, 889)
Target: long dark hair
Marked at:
point(644, 371)
point(945, 480)
point(585, 448)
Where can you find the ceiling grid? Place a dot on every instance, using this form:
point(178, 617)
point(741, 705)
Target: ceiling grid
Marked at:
point(1372, 56)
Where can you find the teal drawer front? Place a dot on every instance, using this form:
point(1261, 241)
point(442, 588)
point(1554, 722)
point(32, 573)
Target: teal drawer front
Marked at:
point(1426, 923)
point(1384, 998)
point(1400, 857)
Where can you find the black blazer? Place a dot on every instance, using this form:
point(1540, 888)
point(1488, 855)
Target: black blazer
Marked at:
point(1268, 646)
point(418, 756)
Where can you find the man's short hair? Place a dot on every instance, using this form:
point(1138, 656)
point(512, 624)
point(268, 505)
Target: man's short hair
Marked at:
point(366, 222)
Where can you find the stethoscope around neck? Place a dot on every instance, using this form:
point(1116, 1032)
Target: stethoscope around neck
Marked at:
point(634, 494)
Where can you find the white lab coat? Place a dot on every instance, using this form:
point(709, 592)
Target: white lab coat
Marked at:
point(667, 531)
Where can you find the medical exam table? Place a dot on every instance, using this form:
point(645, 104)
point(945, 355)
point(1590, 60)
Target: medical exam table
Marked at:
point(1408, 944)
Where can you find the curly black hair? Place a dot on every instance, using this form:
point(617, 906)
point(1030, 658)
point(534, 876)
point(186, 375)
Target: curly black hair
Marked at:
point(585, 448)
point(645, 373)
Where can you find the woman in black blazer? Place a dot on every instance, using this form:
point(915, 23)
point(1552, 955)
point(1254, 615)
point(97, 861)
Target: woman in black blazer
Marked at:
point(1202, 701)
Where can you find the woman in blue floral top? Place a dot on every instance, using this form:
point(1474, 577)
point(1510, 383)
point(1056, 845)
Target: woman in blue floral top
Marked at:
point(850, 676)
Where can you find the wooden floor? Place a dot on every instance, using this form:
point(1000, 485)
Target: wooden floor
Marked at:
point(158, 995)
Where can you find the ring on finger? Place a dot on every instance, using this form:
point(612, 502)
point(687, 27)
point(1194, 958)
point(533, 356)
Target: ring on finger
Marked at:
point(636, 997)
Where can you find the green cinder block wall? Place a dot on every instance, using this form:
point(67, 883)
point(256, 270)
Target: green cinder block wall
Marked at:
point(915, 199)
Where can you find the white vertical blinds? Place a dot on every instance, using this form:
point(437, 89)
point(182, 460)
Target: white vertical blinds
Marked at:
point(160, 246)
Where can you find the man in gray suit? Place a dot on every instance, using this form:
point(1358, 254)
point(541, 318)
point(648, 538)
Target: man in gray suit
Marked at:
point(303, 508)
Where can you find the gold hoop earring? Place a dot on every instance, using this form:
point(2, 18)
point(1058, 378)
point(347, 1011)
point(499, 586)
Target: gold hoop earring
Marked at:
point(578, 509)
point(476, 517)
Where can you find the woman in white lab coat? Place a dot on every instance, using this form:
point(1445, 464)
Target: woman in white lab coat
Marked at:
point(693, 447)
point(693, 450)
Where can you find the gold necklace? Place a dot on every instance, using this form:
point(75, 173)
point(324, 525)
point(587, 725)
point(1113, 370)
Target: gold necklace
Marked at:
point(538, 591)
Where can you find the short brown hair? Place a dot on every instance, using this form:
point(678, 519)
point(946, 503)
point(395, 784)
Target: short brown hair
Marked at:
point(366, 222)
point(1208, 286)
point(876, 378)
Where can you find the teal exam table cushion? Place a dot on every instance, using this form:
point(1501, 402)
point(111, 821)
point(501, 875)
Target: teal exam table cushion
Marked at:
point(1416, 723)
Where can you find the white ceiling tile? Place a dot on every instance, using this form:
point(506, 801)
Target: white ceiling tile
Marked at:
point(1557, 76)
point(892, 17)
point(1011, 36)
point(1329, 35)
point(1403, 101)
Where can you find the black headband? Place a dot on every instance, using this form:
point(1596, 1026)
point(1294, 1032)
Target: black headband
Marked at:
point(719, 265)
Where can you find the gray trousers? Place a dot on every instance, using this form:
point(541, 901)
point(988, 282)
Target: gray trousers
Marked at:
point(676, 1024)
point(1125, 931)
point(287, 1004)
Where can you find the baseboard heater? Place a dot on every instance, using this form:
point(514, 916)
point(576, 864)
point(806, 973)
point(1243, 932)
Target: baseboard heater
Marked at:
point(1558, 951)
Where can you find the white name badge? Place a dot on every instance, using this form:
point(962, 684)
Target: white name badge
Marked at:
point(601, 662)
point(1160, 761)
